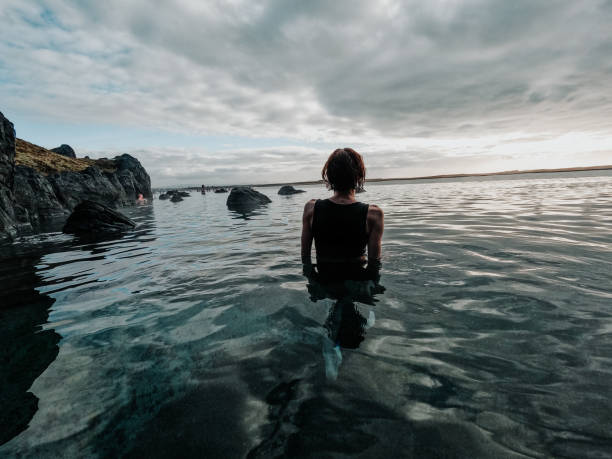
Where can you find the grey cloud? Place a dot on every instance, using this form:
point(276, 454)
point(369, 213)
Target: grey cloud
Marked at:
point(350, 72)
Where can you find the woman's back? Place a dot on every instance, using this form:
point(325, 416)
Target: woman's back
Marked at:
point(340, 231)
point(341, 227)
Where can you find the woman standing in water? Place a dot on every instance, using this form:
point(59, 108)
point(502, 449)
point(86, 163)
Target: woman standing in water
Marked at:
point(342, 229)
point(341, 226)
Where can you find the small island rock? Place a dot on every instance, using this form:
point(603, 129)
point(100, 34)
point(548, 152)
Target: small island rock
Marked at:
point(91, 218)
point(244, 198)
point(176, 198)
point(64, 150)
point(288, 189)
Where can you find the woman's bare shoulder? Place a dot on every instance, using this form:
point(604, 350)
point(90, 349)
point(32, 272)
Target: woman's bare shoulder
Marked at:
point(374, 211)
point(309, 206)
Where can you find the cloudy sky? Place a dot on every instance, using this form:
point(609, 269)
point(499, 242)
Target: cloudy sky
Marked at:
point(242, 91)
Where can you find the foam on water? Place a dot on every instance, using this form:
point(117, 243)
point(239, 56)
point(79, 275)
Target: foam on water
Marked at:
point(197, 334)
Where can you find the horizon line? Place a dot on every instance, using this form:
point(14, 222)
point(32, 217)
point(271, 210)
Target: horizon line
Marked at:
point(425, 177)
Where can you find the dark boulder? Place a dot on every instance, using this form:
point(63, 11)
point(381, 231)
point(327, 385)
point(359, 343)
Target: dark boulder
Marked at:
point(183, 194)
point(220, 190)
point(164, 196)
point(176, 198)
point(244, 198)
point(91, 218)
point(288, 189)
point(64, 150)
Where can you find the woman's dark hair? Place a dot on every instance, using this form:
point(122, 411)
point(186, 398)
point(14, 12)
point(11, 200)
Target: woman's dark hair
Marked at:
point(344, 170)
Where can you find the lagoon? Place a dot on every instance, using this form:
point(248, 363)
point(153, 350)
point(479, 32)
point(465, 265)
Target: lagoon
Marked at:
point(198, 335)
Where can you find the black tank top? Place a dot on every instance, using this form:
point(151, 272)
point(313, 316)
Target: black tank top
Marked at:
point(339, 231)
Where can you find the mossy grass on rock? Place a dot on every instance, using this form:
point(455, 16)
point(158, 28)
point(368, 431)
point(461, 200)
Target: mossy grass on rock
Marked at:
point(91, 218)
point(48, 162)
point(244, 199)
point(288, 190)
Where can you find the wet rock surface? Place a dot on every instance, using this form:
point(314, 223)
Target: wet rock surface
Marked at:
point(243, 198)
point(288, 190)
point(91, 218)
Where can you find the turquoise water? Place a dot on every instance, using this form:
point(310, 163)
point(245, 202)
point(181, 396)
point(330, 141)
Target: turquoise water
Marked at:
point(198, 335)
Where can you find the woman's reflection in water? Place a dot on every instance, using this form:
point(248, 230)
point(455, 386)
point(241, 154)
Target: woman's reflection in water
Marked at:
point(346, 323)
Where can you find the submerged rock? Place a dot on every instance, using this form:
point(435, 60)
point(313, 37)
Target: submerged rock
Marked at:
point(91, 218)
point(288, 189)
point(183, 194)
point(164, 196)
point(64, 150)
point(244, 198)
point(176, 198)
point(220, 190)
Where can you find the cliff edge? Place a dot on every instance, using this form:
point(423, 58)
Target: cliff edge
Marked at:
point(40, 187)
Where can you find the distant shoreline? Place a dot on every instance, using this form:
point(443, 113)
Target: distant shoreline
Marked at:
point(442, 176)
point(426, 177)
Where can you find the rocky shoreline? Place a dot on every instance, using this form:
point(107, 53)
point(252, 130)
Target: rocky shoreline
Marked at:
point(34, 194)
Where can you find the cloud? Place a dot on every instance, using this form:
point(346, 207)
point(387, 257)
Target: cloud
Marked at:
point(424, 79)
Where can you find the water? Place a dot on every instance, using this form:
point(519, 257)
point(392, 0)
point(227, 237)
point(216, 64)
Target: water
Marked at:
point(198, 335)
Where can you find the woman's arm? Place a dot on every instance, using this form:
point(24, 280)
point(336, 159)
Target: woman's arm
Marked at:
point(376, 226)
point(307, 231)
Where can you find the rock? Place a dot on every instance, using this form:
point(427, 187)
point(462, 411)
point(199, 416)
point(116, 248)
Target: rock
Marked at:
point(46, 198)
point(91, 218)
point(164, 196)
point(288, 189)
point(176, 198)
point(132, 177)
point(38, 196)
point(64, 150)
point(8, 227)
point(220, 190)
point(244, 199)
point(183, 194)
point(30, 199)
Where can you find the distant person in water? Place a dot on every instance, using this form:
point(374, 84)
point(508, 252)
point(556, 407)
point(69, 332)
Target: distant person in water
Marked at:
point(342, 228)
point(141, 199)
